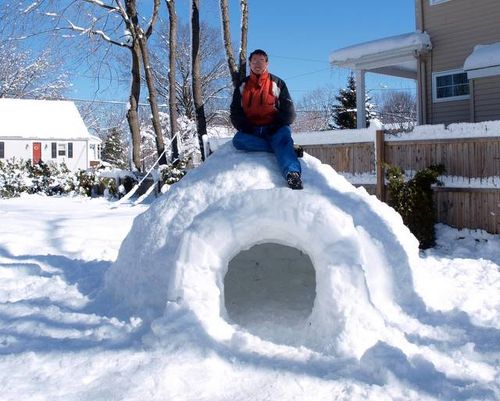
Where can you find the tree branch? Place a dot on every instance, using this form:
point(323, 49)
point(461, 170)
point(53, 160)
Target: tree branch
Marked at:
point(154, 17)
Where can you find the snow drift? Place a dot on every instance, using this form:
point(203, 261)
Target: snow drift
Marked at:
point(342, 260)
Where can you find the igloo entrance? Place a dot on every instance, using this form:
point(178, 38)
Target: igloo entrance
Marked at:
point(270, 290)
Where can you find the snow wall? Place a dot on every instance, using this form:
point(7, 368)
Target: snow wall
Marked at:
point(178, 251)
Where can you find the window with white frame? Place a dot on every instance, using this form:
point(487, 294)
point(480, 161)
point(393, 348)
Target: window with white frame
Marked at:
point(61, 149)
point(432, 2)
point(450, 85)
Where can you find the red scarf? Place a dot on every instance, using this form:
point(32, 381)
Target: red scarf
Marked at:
point(258, 100)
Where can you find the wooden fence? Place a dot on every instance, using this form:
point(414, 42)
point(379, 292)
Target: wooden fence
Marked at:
point(469, 160)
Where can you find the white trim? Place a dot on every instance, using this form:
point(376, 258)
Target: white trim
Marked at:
point(434, 87)
point(360, 99)
point(434, 2)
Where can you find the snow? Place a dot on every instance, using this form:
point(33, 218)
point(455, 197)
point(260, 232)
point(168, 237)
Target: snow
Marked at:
point(486, 129)
point(129, 303)
point(483, 56)
point(417, 41)
point(41, 119)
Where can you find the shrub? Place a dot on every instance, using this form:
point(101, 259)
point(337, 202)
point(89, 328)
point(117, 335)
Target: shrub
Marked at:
point(171, 173)
point(13, 178)
point(19, 176)
point(413, 200)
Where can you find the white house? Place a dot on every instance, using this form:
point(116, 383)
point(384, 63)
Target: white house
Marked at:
point(47, 130)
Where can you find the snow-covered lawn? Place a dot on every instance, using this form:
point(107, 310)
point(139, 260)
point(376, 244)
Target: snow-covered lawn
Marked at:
point(58, 340)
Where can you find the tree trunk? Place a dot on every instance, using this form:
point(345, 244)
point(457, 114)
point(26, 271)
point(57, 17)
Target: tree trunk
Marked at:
point(196, 75)
point(153, 102)
point(172, 48)
point(132, 113)
point(233, 70)
point(244, 34)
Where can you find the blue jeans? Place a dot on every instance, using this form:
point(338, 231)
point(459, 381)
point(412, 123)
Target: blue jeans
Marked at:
point(262, 139)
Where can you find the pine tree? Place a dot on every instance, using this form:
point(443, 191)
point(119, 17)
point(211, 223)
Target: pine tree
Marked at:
point(114, 150)
point(344, 113)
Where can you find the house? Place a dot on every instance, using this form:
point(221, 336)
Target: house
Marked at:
point(47, 130)
point(454, 56)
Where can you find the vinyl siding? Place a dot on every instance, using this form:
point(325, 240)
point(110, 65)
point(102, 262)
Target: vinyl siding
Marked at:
point(487, 99)
point(455, 27)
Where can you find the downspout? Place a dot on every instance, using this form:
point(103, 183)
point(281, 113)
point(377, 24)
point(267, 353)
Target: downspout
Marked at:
point(472, 102)
point(421, 22)
point(421, 69)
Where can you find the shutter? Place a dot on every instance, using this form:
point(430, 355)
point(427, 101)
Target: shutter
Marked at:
point(2, 150)
point(70, 150)
point(54, 150)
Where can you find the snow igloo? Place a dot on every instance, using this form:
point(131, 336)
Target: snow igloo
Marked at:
point(327, 268)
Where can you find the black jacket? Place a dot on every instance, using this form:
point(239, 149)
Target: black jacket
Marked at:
point(284, 105)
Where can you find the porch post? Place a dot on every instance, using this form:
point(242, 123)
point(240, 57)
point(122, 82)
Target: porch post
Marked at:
point(360, 99)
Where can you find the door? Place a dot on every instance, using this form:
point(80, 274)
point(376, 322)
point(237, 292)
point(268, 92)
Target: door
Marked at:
point(37, 152)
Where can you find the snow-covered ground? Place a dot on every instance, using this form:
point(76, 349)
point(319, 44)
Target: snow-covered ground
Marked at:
point(57, 342)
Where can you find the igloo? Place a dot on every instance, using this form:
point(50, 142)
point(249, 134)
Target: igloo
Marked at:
point(327, 268)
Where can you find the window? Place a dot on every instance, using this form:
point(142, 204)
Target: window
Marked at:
point(61, 149)
point(54, 150)
point(433, 2)
point(70, 150)
point(2, 150)
point(450, 85)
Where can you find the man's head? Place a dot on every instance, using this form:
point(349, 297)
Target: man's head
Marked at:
point(258, 61)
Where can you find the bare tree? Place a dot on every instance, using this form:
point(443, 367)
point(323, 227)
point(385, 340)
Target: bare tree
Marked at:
point(237, 73)
point(23, 75)
point(172, 49)
point(26, 72)
point(107, 20)
point(399, 110)
point(201, 122)
point(214, 73)
point(142, 37)
point(313, 110)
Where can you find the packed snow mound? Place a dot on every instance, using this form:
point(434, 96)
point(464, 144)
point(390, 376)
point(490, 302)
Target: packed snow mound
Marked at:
point(350, 252)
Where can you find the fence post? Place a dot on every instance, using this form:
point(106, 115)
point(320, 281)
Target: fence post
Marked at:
point(379, 160)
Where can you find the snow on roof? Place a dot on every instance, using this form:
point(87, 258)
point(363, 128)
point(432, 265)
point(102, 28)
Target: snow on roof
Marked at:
point(413, 41)
point(95, 139)
point(483, 57)
point(41, 119)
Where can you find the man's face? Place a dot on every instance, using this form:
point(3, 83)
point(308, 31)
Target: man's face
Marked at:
point(258, 64)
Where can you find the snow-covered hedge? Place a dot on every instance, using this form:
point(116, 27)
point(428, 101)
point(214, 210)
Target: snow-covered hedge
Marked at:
point(20, 176)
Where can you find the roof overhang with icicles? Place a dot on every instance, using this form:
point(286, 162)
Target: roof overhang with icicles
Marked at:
point(394, 55)
point(484, 61)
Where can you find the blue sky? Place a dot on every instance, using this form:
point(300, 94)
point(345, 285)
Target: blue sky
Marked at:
point(300, 34)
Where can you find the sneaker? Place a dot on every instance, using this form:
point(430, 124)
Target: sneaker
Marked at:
point(299, 150)
point(293, 180)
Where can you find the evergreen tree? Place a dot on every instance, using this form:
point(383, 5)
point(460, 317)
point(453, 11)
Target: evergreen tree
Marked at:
point(114, 150)
point(344, 113)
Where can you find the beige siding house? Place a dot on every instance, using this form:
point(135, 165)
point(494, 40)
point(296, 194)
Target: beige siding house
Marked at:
point(455, 59)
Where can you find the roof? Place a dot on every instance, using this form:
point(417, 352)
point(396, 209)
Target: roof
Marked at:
point(484, 61)
point(394, 55)
point(41, 119)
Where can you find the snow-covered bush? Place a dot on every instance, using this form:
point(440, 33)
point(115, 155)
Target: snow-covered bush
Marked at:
point(20, 176)
point(171, 173)
point(13, 178)
point(413, 200)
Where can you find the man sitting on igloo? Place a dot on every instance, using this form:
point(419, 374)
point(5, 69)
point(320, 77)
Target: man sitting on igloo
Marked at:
point(262, 111)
